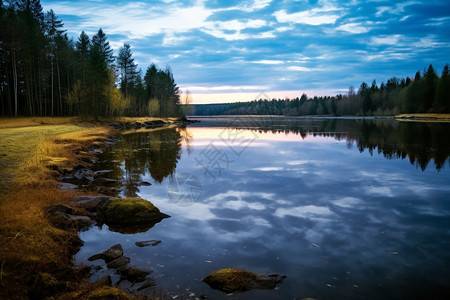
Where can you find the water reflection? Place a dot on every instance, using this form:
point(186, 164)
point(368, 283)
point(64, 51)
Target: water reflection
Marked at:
point(154, 152)
point(340, 223)
point(420, 142)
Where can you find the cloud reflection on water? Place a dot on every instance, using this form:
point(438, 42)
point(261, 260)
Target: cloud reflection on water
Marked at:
point(320, 213)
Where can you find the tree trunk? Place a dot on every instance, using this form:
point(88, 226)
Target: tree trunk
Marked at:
point(15, 83)
point(59, 86)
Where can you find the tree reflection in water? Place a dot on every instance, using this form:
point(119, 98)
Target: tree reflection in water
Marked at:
point(157, 152)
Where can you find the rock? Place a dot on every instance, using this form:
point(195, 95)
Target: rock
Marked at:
point(132, 211)
point(148, 243)
point(147, 283)
point(154, 124)
point(67, 186)
point(92, 203)
point(133, 274)
point(234, 280)
point(145, 183)
point(44, 285)
point(66, 221)
point(116, 126)
point(104, 281)
point(61, 208)
point(97, 256)
point(118, 263)
point(102, 172)
point(113, 252)
point(81, 173)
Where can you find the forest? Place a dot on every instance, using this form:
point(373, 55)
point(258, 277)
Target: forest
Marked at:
point(44, 72)
point(427, 92)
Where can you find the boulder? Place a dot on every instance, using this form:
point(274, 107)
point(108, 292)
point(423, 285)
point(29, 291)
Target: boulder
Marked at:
point(104, 281)
point(119, 262)
point(97, 256)
point(108, 255)
point(65, 221)
point(235, 280)
point(113, 252)
point(61, 208)
point(132, 211)
point(92, 203)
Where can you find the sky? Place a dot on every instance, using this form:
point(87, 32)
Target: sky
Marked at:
point(226, 51)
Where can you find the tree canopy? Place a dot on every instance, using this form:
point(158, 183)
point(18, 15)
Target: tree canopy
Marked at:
point(43, 72)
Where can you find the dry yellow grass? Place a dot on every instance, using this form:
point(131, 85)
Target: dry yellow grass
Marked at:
point(424, 117)
point(29, 244)
point(144, 119)
point(26, 122)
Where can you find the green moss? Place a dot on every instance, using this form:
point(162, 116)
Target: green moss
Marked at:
point(230, 280)
point(108, 293)
point(131, 211)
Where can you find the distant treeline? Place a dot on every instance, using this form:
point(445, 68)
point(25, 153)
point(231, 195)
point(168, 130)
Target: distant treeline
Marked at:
point(43, 72)
point(425, 93)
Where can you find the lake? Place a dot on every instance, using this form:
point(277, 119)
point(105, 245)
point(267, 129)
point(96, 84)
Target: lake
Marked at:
point(345, 208)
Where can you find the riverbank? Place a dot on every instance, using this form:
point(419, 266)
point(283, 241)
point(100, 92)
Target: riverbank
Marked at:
point(36, 258)
point(424, 117)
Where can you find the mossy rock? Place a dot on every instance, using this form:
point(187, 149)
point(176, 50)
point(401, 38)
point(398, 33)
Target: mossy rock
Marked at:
point(235, 280)
point(108, 293)
point(132, 211)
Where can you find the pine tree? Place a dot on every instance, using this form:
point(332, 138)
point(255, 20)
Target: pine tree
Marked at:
point(53, 30)
point(100, 41)
point(83, 46)
point(127, 69)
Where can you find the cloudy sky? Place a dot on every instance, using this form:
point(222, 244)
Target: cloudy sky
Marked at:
point(226, 50)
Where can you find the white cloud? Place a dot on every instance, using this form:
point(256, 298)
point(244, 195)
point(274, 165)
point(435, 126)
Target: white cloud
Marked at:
point(397, 9)
point(302, 69)
point(231, 30)
point(254, 5)
point(318, 16)
point(268, 62)
point(222, 88)
point(386, 40)
point(355, 28)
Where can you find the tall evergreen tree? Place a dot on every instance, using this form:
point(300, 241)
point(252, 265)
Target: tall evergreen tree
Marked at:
point(127, 69)
point(100, 41)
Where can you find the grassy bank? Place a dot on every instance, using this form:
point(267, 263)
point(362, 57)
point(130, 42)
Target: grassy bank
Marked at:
point(36, 258)
point(424, 117)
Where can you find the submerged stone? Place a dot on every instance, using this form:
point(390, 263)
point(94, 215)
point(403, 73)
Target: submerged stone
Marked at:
point(148, 243)
point(235, 280)
point(119, 262)
point(133, 274)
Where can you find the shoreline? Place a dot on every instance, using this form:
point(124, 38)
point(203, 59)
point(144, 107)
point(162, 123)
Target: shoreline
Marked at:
point(37, 257)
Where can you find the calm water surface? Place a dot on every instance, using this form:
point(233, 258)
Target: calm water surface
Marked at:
point(347, 209)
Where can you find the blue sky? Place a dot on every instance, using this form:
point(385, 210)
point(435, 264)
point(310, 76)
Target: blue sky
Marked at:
point(224, 51)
